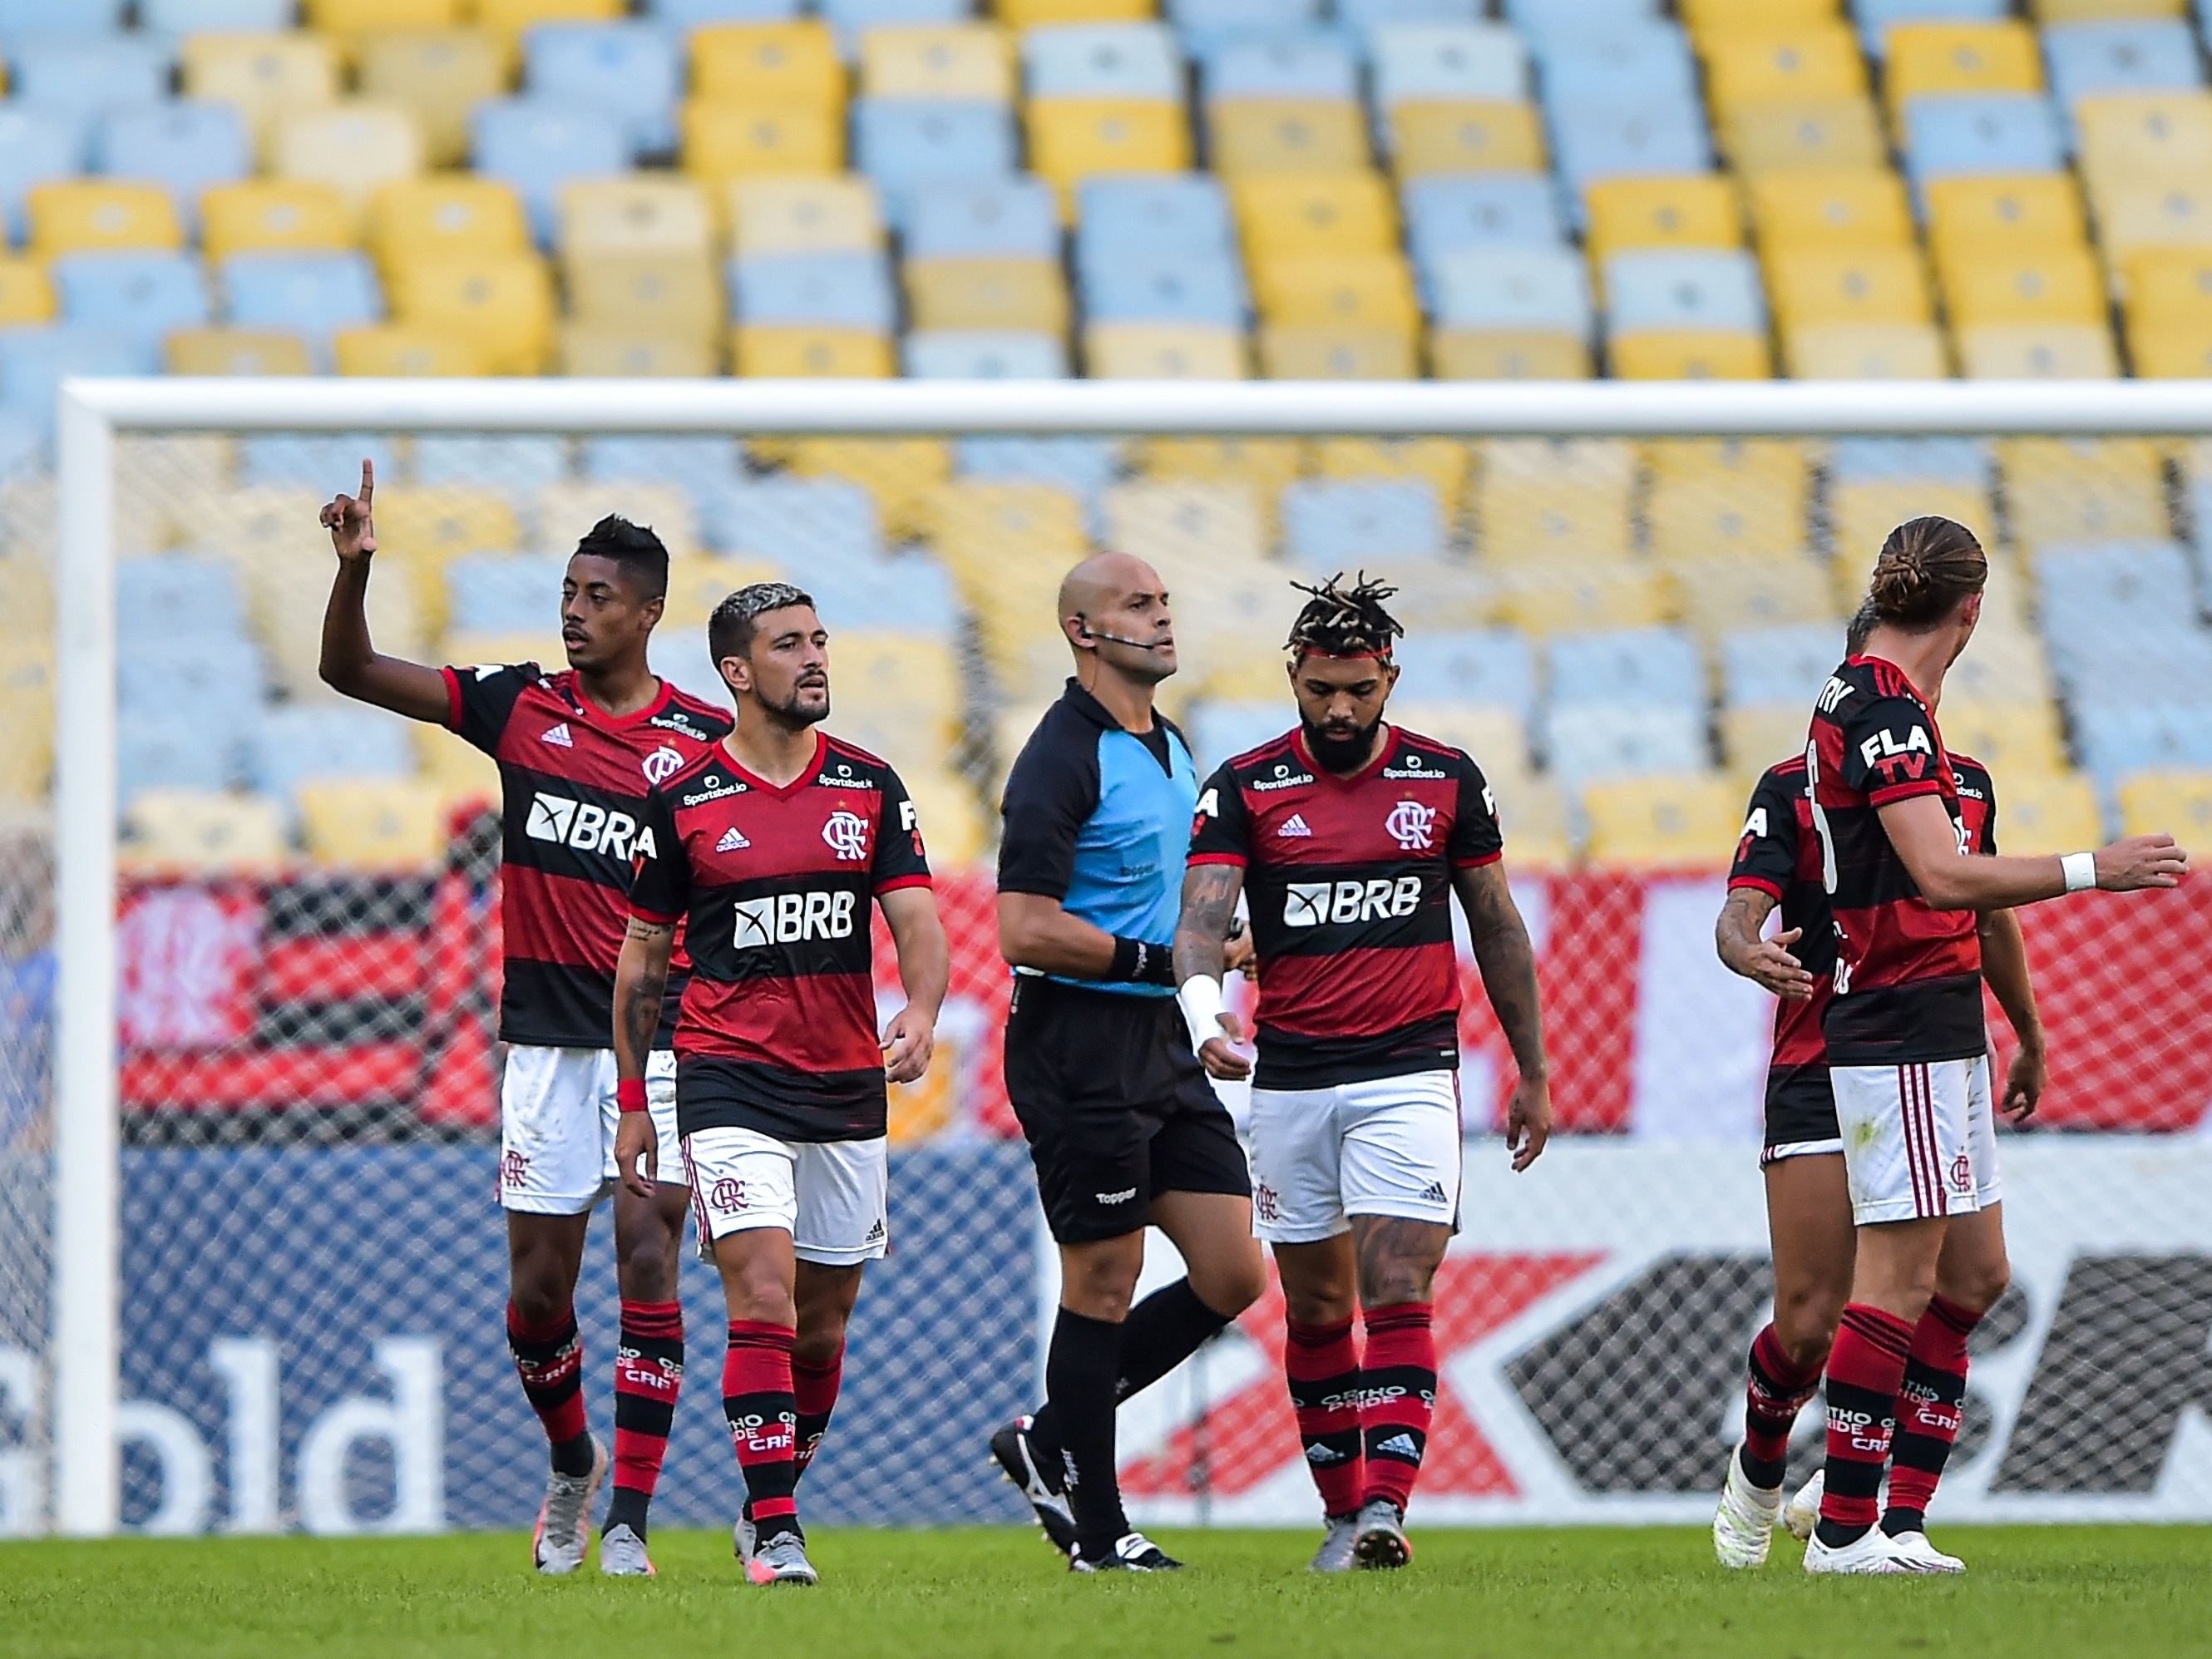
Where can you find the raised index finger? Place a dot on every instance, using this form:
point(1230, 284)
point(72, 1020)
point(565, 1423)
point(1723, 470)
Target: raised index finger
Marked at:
point(368, 482)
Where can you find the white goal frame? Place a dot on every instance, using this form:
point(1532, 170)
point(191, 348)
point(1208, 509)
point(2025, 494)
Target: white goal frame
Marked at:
point(85, 1283)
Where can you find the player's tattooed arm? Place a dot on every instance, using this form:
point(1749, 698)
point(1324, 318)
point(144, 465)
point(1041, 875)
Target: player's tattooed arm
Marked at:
point(1508, 962)
point(351, 663)
point(640, 979)
point(1209, 904)
point(1766, 961)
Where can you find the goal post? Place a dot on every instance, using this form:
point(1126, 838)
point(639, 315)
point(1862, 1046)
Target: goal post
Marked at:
point(89, 1232)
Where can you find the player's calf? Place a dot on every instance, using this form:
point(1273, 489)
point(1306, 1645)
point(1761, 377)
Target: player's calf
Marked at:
point(648, 1377)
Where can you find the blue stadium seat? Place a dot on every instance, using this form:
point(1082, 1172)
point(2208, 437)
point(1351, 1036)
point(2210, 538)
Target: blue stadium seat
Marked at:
point(1652, 665)
point(1943, 460)
point(1981, 133)
point(1763, 667)
point(1338, 524)
point(1305, 65)
point(147, 297)
point(1206, 25)
point(186, 145)
point(2127, 734)
point(1547, 24)
point(219, 679)
point(906, 592)
point(691, 13)
point(85, 76)
point(325, 461)
point(1451, 212)
point(1689, 288)
point(1102, 60)
point(503, 593)
point(35, 361)
point(835, 290)
point(538, 146)
point(1164, 213)
point(631, 71)
point(172, 594)
point(849, 17)
point(36, 145)
point(517, 466)
point(2137, 55)
point(321, 741)
point(1148, 287)
point(1877, 17)
point(697, 461)
point(797, 522)
point(901, 143)
point(1446, 62)
point(1014, 218)
point(313, 294)
point(2146, 585)
point(1363, 17)
point(1513, 288)
point(39, 17)
point(1220, 730)
point(1492, 666)
point(1599, 137)
point(193, 16)
point(1587, 740)
point(173, 748)
point(983, 354)
point(1082, 467)
point(1644, 59)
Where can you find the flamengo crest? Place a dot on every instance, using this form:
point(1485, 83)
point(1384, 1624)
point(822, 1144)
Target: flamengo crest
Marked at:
point(847, 835)
point(1412, 826)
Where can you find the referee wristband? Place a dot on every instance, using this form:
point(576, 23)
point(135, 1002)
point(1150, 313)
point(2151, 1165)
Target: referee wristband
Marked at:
point(2081, 870)
point(1200, 999)
point(629, 1094)
point(1138, 962)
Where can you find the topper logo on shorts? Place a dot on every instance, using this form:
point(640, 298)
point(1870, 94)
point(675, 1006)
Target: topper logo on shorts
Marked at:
point(1412, 826)
point(847, 835)
point(1310, 903)
point(727, 1193)
point(586, 828)
point(793, 918)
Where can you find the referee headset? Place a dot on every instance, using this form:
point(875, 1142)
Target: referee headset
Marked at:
point(1090, 632)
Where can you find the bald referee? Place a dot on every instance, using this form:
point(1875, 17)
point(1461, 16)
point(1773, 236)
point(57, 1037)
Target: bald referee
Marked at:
point(1123, 1125)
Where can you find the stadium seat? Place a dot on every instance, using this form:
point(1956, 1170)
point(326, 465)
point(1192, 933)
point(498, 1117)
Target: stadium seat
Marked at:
point(956, 60)
point(145, 295)
point(1029, 15)
point(631, 71)
point(1659, 215)
point(997, 218)
point(2131, 54)
point(398, 824)
point(1163, 288)
point(83, 77)
point(1445, 214)
point(168, 749)
point(2028, 351)
point(1866, 351)
point(780, 351)
point(560, 513)
point(2005, 664)
point(1285, 135)
point(901, 143)
point(445, 215)
point(1185, 212)
point(538, 147)
point(1140, 60)
point(1447, 64)
point(795, 522)
point(702, 462)
point(298, 743)
point(186, 146)
point(2172, 351)
point(95, 216)
point(1553, 501)
point(201, 832)
point(1829, 132)
point(176, 595)
point(1546, 601)
point(2014, 739)
point(2165, 213)
point(439, 74)
point(271, 215)
point(1588, 741)
point(355, 147)
point(1163, 351)
point(1295, 215)
point(2058, 285)
point(2173, 803)
point(1304, 65)
point(2128, 137)
point(27, 292)
point(1331, 525)
point(1970, 215)
point(35, 360)
point(805, 216)
point(1490, 666)
point(502, 592)
point(1757, 735)
point(191, 16)
point(1209, 24)
point(1518, 289)
point(511, 19)
point(2118, 737)
point(666, 298)
point(835, 290)
point(2062, 490)
point(1877, 17)
point(312, 295)
point(1817, 62)
point(347, 21)
point(1266, 464)
point(1720, 594)
point(264, 75)
point(1879, 285)
point(503, 302)
point(1863, 512)
point(35, 147)
point(1072, 140)
point(1441, 463)
point(772, 62)
point(1606, 138)
point(1689, 819)
point(1373, 291)
point(984, 354)
point(1965, 461)
point(515, 466)
point(633, 214)
point(1979, 133)
point(2039, 815)
point(1787, 664)
point(1636, 56)
point(1473, 354)
point(1428, 139)
point(2121, 584)
point(236, 351)
point(1838, 209)
point(1694, 289)
point(1950, 58)
point(608, 351)
point(1657, 666)
point(1028, 295)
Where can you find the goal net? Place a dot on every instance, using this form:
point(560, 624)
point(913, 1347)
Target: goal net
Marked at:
point(251, 1269)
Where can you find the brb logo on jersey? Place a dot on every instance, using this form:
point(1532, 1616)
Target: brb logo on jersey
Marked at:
point(662, 764)
point(585, 827)
point(1310, 903)
point(847, 835)
point(1412, 826)
point(792, 919)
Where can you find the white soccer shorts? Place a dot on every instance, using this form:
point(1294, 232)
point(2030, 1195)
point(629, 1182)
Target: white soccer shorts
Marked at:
point(557, 1117)
point(1982, 1136)
point(1321, 1156)
point(832, 1196)
point(1909, 1141)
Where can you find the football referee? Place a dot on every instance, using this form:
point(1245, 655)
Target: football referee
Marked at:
point(1123, 1125)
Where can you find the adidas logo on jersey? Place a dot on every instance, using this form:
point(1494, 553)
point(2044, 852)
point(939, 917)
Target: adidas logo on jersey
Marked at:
point(1293, 826)
point(559, 736)
point(732, 841)
point(1399, 1445)
point(1436, 1193)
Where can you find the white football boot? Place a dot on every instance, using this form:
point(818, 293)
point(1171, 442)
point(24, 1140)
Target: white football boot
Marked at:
point(1915, 1547)
point(1876, 1552)
point(782, 1560)
point(622, 1554)
point(1335, 1553)
point(1378, 1536)
point(564, 1519)
point(1803, 1512)
point(1743, 1525)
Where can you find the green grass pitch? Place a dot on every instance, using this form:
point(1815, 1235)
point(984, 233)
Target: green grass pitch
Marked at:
point(2042, 1592)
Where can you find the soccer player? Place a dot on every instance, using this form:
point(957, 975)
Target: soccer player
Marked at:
point(767, 850)
point(1905, 1042)
point(577, 748)
point(1808, 1212)
point(1350, 837)
point(1123, 1125)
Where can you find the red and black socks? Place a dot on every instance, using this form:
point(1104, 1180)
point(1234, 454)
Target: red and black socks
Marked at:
point(1398, 1398)
point(758, 1400)
point(1081, 1370)
point(1865, 1369)
point(550, 1360)
point(1322, 1364)
point(1929, 1404)
point(814, 1392)
point(1775, 1392)
point(648, 1376)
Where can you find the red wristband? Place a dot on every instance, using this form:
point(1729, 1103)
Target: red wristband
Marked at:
point(629, 1094)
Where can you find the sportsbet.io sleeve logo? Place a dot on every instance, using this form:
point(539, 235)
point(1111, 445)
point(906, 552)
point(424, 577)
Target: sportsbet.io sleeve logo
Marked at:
point(847, 835)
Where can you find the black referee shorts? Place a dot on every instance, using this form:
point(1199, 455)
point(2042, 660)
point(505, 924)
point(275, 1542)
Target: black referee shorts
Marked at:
point(1115, 1107)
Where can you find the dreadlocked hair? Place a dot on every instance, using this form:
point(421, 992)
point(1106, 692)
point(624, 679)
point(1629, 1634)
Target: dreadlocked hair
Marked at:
point(1344, 621)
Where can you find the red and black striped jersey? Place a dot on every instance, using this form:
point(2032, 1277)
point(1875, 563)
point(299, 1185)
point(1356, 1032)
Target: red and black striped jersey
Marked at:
point(1779, 854)
point(773, 885)
point(574, 779)
point(1907, 977)
point(1348, 881)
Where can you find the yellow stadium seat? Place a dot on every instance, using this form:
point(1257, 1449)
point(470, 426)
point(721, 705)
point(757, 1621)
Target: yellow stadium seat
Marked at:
point(445, 216)
point(1689, 819)
point(2169, 285)
point(786, 65)
point(411, 350)
point(356, 146)
point(728, 140)
point(1713, 22)
point(1495, 736)
point(1731, 464)
point(776, 353)
point(805, 216)
point(1024, 294)
point(236, 351)
point(2005, 663)
point(87, 215)
point(426, 527)
point(1560, 501)
point(1072, 139)
point(510, 18)
point(1188, 526)
point(439, 74)
point(2010, 739)
point(975, 528)
point(274, 215)
point(1312, 352)
point(658, 296)
point(1441, 463)
point(1714, 515)
point(352, 17)
point(2039, 815)
point(1790, 135)
point(1286, 135)
point(203, 831)
point(390, 824)
point(1287, 213)
point(502, 301)
point(1484, 354)
point(1265, 464)
point(2176, 803)
point(1878, 285)
point(1866, 351)
point(901, 473)
point(2133, 138)
point(1821, 62)
point(2145, 218)
point(1337, 290)
point(696, 584)
point(1029, 14)
point(264, 75)
point(1163, 351)
point(2056, 285)
point(1566, 600)
point(1830, 210)
point(937, 60)
point(1959, 56)
point(462, 774)
point(25, 296)
point(1532, 812)
point(2032, 211)
point(1477, 136)
point(1689, 354)
point(2029, 351)
point(2172, 350)
point(2059, 489)
point(952, 822)
point(1755, 737)
point(1863, 512)
point(1677, 212)
point(563, 513)
point(641, 214)
point(1719, 596)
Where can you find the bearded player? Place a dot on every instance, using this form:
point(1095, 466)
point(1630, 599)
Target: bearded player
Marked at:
point(1351, 836)
point(577, 748)
point(769, 849)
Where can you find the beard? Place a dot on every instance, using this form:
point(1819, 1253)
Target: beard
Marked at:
point(804, 707)
point(1339, 754)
